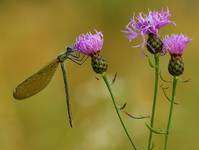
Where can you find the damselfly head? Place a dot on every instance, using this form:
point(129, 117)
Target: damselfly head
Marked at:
point(63, 56)
point(69, 50)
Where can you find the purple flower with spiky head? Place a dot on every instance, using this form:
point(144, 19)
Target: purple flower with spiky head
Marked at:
point(175, 44)
point(89, 43)
point(143, 24)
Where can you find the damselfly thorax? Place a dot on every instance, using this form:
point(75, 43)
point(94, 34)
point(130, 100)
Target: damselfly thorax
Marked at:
point(38, 81)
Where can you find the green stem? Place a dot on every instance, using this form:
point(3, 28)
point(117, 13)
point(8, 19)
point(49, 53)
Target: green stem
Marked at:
point(156, 57)
point(117, 111)
point(175, 79)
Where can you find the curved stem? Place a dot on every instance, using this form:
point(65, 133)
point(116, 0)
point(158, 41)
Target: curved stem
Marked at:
point(117, 111)
point(156, 57)
point(175, 79)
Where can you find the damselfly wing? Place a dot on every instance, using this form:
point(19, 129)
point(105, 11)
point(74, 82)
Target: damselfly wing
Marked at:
point(37, 82)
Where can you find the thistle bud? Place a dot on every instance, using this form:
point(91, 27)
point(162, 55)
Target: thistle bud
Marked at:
point(176, 65)
point(98, 63)
point(154, 44)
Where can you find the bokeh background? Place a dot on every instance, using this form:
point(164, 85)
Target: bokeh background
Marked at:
point(32, 32)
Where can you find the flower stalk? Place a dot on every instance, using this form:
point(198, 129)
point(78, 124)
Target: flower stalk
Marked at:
point(156, 57)
point(175, 79)
point(91, 45)
point(175, 45)
point(117, 111)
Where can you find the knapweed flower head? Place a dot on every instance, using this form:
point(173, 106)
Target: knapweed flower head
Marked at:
point(89, 43)
point(142, 24)
point(175, 44)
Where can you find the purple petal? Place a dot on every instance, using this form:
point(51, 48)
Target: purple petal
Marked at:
point(142, 24)
point(89, 43)
point(176, 43)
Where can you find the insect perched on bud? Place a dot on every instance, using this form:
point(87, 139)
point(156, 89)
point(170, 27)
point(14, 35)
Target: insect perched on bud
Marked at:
point(38, 81)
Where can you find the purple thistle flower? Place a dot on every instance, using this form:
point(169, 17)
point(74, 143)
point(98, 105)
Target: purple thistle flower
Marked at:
point(89, 43)
point(143, 24)
point(175, 44)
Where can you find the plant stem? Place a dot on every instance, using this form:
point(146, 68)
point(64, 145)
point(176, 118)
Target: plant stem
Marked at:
point(156, 57)
point(175, 79)
point(117, 111)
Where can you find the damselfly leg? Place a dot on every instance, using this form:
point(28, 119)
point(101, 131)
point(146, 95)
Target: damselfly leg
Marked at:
point(77, 58)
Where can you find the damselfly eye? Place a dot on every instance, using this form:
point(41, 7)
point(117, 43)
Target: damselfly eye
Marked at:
point(69, 49)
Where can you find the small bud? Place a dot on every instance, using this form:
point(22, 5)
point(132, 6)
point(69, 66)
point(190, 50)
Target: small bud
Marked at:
point(176, 65)
point(98, 63)
point(154, 44)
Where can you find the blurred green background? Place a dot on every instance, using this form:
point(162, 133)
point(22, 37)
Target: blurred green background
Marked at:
point(33, 32)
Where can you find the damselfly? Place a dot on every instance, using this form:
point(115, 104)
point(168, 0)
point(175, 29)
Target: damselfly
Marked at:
point(38, 81)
